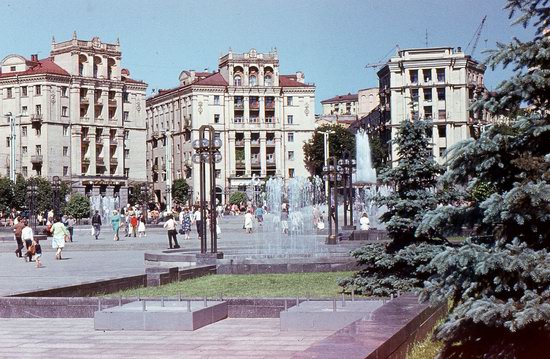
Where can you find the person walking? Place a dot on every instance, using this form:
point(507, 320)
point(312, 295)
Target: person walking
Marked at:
point(260, 215)
point(133, 225)
point(17, 230)
point(141, 226)
point(59, 235)
point(28, 239)
point(185, 220)
point(248, 218)
point(96, 224)
point(198, 221)
point(170, 226)
point(364, 222)
point(70, 226)
point(115, 222)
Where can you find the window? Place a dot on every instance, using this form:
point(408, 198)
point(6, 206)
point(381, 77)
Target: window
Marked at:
point(38, 131)
point(125, 97)
point(216, 118)
point(441, 94)
point(291, 155)
point(289, 101)
point(414, 95)
point(25, 171)
point(39, 171)
point(413, 75)
point(64, 91)
point(126, 172)
point(65, 151)
point(290, 119)
point(216, 100)
point(442, 131)
point(64, 111)
point(427, 74)
point(442, 114)
point(37, 90)
point(126, 116)
point(12, 68)
point(237, 80)
point(65, 171)
point(38, 149)
point(24, 110)
point(427, 94)
point(9, 92)
point(38, 109)
point(24, 91)
point(291, 172)
point(428, 112)
point(24, 150)
point(268, 80)
point(290, 137)
point(440, 75)
point(23, 131)
point(253, 80)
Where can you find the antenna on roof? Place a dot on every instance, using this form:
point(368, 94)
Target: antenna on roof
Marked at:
point(74, 35)
point(53, 39)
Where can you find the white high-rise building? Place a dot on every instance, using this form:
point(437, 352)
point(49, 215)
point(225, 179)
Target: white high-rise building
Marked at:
point(78, 115)
point(431, 83)
point(262, 117)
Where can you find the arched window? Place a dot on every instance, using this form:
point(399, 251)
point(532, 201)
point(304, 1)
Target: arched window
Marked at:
point(237, 81)
point(268, 80)
point(253, 80)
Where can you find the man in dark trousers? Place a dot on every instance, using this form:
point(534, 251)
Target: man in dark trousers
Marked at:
point(96, 224)
point(18, 230)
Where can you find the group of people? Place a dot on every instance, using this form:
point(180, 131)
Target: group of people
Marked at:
point(25, 238)
point(132, 221)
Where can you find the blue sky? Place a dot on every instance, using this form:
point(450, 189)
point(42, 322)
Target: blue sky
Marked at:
point(330, 41)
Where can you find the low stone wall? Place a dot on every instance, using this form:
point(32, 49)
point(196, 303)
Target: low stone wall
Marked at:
point(261, 268)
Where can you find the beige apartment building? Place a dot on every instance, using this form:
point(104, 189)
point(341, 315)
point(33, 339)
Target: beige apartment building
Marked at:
point(78, 115)
point(431, 83)
point(346, 109)
point(262, 117)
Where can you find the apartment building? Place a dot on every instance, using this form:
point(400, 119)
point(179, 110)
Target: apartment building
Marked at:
point(437, 83)
point(78, 115)
point(262, 118)
point(346, 109)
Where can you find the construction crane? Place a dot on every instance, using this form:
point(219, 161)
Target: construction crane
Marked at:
point(382, 61)
point(475, 38)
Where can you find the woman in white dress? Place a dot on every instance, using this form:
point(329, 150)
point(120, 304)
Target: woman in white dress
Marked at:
point(248, 218)
point(364, 222)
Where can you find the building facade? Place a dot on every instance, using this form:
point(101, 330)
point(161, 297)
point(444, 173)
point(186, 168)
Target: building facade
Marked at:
point(345, 110)
point(78, 115)
point(262, 118)
point(431, 83)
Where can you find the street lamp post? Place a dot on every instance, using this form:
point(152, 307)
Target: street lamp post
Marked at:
point(32, 191)
point(168, 154)
point(13, 137)
point(332, 174)
point(326, 153)
point(348, 165)
point(207, 150)
point(56, 186)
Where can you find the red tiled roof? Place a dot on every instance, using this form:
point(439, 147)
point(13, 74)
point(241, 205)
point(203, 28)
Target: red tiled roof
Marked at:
point(44, 66)
point(290, 81)
point(212, 80)
point(342, 98)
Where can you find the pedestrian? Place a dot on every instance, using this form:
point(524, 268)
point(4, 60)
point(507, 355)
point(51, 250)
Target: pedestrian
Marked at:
point(28, 238)
point(170, 226)
point(71, 221)
point(59, 235)
point(17, 230)
point(115, 222)
point(198, 221)
point(185, 220)
point(248, 217)
point(96, 224)
point(133, 225)
point(260, 215)
point(37, 253)
point(364, 222)
point(284, 221)
point(141, 226)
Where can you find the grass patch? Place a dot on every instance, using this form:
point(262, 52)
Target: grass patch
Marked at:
point(313, 285)
point(427, 348)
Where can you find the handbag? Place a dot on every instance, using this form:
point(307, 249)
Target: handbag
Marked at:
point(181, 231)
point(32, 249)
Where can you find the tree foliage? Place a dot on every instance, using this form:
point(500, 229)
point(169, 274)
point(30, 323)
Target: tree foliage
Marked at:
point(138, 197)
point(401, 265)
point(6, 193)
point(499, 279)
point(238, 198)
point(78, 206)
point(314, 149)
point(180, 190)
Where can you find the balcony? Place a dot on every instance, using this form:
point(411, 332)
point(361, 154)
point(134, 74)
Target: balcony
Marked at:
point(99, 141)
point(86, 161)
point(270, 105)
point(255, 143)
point(84, 101)
point(270, 163)
point(85, 139)
point(114, 161)
point(239, 143)
point(37, 159)
point(113, 142)
point(240, 163)
point(239, 105)
point(255, 163)
point(99, 119)
point(254, 105)
point(270, 120)
point(36, 118)
point(238, 120)
point(100, 161)
point(112, 103)
point(84, 119)
point(254, 120)
point(270, 142)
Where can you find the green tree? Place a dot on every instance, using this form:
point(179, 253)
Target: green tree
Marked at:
point(401, 264)
point(78, 206)
point(20, 192)
point(340, 140)
point(180, 190)
point(237, 198)
point(44, 198)
point(498, 280)
point(136, 196)
point(6, 193)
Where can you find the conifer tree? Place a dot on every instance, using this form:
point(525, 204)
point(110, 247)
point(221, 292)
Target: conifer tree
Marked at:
point(499, 280)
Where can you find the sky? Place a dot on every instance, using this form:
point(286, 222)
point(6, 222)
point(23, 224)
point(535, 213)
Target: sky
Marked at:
point(330, 41)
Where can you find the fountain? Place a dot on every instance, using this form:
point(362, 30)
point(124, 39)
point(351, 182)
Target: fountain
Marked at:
point(105, 205)
point(366, 174)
